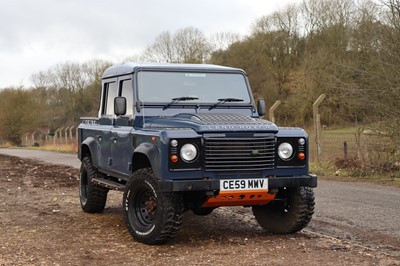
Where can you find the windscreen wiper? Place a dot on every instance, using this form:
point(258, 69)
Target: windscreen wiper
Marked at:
point(225, 100)
point(180, 99)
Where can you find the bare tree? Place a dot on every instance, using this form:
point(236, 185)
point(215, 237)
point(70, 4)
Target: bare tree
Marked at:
point(280, 42)
point(137, 58)
point(187, 45)
point(162, 50)
point(393, 7)
point(19, 113)
point(191, 45)
point(321, 14)
point(71, 90)
point(222, 40)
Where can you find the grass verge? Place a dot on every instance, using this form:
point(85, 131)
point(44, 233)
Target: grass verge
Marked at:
point(67, 148)
point(329, 171)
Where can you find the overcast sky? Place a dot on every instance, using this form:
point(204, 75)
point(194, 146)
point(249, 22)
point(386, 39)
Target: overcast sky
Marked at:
point(38, 34)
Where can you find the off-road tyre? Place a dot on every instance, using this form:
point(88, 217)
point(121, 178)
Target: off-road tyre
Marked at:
point(153, 217)
point(289, 213)
point(93, 197)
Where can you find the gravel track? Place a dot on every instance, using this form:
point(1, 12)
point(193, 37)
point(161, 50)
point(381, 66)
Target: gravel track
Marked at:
point(42, 223)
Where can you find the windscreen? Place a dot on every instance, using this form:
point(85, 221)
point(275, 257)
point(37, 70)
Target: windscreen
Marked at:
point(162, 87)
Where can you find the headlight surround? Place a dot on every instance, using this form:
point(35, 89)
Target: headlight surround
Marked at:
point(285, 151)
point(188, 152)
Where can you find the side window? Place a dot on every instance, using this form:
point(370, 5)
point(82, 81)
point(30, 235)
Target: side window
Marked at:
point(111, 91)
point(127, 92)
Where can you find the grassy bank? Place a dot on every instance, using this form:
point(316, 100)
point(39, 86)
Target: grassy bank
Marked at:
point(67, 148)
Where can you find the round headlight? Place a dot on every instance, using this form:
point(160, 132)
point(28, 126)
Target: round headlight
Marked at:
point(285, 151)
point(188, 152)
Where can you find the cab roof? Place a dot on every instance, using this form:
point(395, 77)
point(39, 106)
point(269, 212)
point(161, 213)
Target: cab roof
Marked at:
point(129, 68)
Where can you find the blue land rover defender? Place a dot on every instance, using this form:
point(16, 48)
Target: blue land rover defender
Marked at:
point(179, 137)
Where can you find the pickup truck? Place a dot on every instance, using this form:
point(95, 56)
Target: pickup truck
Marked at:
point(189, 137)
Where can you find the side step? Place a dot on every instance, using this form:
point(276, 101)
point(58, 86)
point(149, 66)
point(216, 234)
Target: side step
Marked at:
point(109, 184)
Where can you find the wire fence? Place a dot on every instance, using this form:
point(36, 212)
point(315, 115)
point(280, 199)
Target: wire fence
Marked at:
point(362, 148)
point(337, 145)
point(61, 136)
point(334, 146)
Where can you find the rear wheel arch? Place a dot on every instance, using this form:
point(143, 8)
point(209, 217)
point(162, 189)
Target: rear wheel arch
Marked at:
point(85, 151)
point(89, 147)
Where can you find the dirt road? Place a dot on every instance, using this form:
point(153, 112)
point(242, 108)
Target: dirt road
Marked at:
point(41, 223)
point(45, 156)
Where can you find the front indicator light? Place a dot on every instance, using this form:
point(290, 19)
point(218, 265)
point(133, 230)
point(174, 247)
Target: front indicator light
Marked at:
point(174, 158)
point(301, 156)
point(285, 151)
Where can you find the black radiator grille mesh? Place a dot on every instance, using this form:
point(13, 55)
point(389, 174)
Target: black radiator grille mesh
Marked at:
point(233, 154)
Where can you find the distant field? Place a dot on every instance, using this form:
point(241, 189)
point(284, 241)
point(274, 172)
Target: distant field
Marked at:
point(333, 143)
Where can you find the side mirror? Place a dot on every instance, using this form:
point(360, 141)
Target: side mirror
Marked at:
point(119, 106)
point(261, 107)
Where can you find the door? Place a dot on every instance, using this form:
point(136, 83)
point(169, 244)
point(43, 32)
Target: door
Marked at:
point(122, 131)
point(103, 136)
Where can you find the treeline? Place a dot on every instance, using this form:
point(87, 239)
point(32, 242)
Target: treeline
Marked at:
point(59, 97)
point(346, 49)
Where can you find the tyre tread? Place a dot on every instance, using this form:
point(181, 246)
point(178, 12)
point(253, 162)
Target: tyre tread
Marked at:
point(306, 209)
point(288, 223)
point(172, 205)
point(97, 195)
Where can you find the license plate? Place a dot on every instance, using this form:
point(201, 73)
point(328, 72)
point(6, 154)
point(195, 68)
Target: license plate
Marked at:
point(243, 184)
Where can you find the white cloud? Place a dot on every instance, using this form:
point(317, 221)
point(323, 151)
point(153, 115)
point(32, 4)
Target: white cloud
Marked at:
point(35, 35)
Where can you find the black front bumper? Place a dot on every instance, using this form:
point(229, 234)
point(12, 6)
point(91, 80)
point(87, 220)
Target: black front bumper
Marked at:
point(213, 185)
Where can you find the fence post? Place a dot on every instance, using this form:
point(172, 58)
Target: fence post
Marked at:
point(60, 136)
point(55, 136)
point(317, 124)
point(66, 135)
point(70, 133)
point(272, 110)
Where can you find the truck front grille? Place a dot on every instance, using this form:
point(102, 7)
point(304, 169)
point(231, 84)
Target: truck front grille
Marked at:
point(234, 154)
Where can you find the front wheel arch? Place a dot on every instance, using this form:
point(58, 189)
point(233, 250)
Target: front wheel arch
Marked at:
point(147, 155)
